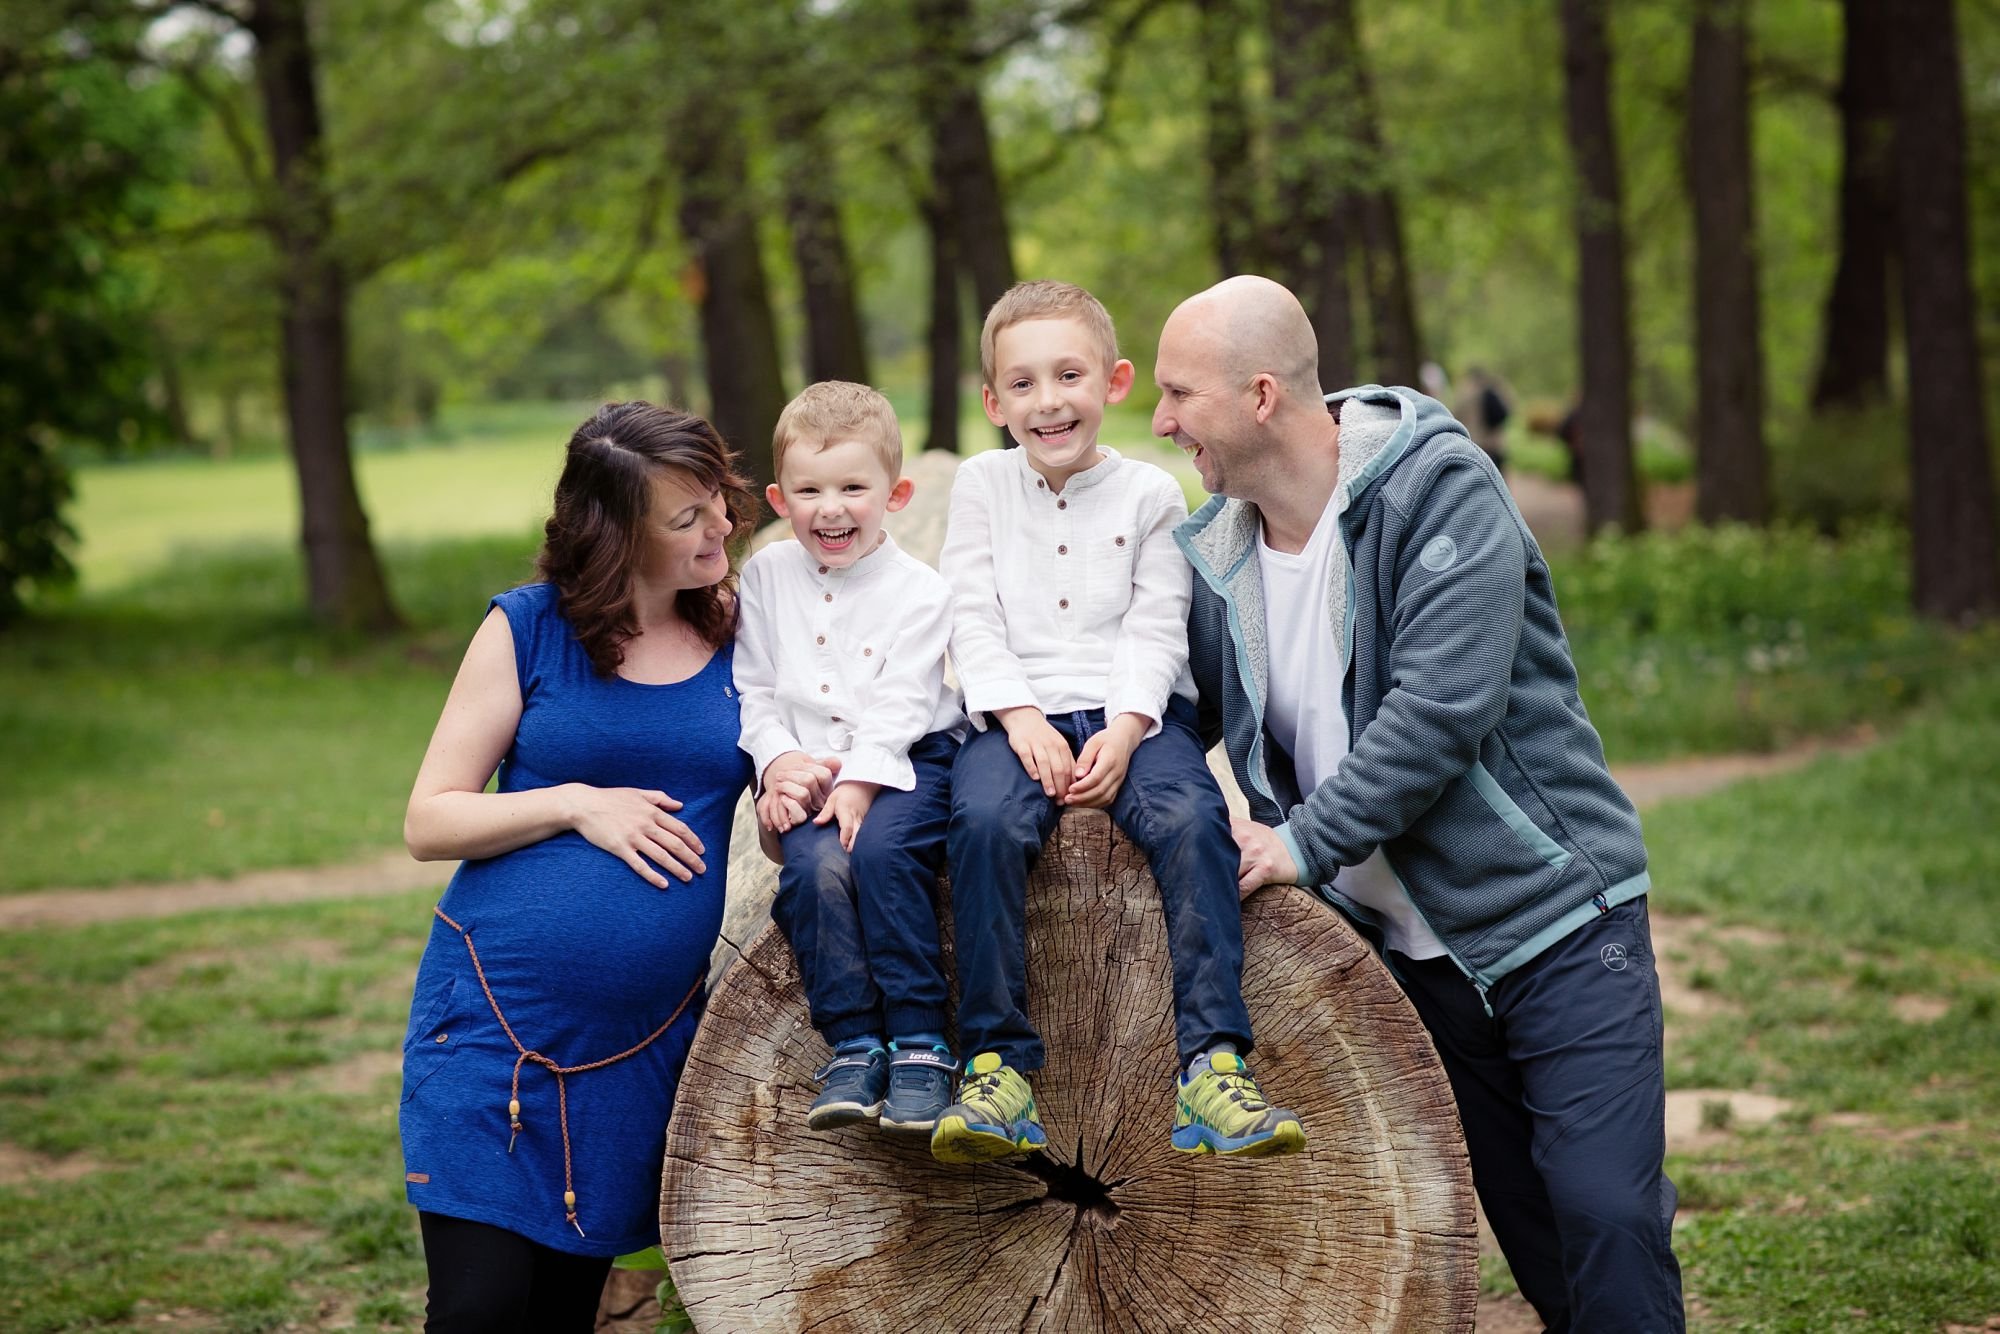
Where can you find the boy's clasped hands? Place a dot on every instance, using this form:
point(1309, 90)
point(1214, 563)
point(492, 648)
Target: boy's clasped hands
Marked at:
point(799, 787)
point(1089, 780)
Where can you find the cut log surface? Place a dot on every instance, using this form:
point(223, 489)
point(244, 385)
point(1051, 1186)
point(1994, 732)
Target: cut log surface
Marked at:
point(767, 1225)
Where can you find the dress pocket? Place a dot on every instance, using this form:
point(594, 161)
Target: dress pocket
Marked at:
point(431, 1044)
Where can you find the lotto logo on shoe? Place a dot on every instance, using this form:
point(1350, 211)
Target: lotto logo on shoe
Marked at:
point(1614, 957)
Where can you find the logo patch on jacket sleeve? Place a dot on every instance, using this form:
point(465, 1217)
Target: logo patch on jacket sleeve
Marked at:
point(1440, 553)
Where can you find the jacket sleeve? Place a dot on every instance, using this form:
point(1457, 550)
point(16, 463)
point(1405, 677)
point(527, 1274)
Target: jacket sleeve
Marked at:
point(905, 695)
point(1451, 666)
point(989, 673)
point(765, 735)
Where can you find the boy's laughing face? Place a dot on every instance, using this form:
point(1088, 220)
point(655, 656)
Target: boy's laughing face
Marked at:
point(1050, 387)
point(836, 498)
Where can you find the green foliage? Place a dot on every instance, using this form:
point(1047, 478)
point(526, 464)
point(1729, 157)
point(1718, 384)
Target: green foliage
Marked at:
point(1734, 638)
point(1832, 472)
point(78, 158)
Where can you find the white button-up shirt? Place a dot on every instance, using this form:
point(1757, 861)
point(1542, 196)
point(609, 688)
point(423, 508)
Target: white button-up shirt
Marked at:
point(844, 660)
point(1070, 600)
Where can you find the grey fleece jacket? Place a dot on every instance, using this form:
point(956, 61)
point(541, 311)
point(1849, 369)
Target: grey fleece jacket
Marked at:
point(1472, 762)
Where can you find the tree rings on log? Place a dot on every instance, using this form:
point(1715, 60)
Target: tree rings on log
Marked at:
point(768, 1226)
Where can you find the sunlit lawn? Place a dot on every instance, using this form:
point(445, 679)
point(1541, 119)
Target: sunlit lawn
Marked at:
point(491, 473)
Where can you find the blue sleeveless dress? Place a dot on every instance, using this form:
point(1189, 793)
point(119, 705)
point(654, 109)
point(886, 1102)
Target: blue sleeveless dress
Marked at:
point(584, 958)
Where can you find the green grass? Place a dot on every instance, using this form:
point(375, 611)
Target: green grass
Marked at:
point(141, 518)
point(482, 472)
point(1915, 866)
point(213, 1118)
point(196, 725)
point(1872, 1204)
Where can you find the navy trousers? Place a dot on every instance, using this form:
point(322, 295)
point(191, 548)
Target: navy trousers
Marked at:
point(863, 926)
point(1169, 806)
point(1562, 1094)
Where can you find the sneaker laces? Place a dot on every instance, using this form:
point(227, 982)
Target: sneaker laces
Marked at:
point(1241, 1089)
point(979, 1087)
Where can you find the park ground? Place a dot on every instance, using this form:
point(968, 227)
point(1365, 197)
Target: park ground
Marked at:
point(197, 1121)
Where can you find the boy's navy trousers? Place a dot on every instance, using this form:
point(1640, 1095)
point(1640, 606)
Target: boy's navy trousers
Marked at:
point(863, 926)
point(1562, 1094)
point(1170, 806)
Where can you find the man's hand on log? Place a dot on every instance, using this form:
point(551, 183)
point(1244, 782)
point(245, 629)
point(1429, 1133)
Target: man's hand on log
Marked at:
point(849, 804)
point(1266, 861)
point(1100, 769)
point(1043, 751)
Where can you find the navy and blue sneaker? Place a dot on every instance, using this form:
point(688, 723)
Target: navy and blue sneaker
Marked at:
point(919, 1087)
point(851, 1089)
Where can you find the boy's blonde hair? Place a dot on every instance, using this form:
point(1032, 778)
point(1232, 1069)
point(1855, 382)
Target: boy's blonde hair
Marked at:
point(1047, 299)
point(835, 410)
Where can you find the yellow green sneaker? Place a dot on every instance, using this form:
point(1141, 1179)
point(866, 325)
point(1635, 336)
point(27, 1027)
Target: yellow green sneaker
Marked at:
point(1221, 1110)
point(993, 1117)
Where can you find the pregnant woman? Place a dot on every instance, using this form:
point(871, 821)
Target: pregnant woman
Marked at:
point(563, 977)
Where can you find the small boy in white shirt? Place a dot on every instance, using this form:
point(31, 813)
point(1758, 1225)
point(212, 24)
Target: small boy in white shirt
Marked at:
point(840, 655)
point(1069, 631)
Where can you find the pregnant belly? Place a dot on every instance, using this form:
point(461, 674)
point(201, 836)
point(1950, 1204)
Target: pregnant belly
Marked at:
point(573, 943)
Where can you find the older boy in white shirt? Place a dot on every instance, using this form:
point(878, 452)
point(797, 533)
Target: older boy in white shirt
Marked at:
point(840, 653)
point(1069, 633)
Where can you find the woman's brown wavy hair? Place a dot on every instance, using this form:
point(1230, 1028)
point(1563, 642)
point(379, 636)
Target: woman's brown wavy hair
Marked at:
point(596, 535)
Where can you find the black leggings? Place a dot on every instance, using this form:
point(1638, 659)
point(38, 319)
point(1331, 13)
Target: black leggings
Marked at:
point(487, 1280)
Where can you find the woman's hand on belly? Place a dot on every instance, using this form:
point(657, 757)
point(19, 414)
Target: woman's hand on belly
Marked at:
point(637, 826)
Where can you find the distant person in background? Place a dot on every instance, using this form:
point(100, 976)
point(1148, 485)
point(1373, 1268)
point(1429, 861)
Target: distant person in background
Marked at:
point(1482, 408)
point(1570, 431)
point(563, 977)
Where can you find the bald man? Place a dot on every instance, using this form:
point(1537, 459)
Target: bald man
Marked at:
point(1375, 640)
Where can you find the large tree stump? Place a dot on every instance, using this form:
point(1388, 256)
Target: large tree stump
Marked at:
point(769, 1226)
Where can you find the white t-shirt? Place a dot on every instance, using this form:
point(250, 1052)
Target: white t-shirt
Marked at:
point(1304, 712)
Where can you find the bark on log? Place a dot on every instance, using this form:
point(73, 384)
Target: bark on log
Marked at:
point(769, 1226)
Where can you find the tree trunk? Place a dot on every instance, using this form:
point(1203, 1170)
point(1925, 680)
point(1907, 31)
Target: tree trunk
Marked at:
point(739, 337)
point(965, 183)
point(767, 1225)
point(1730, 464)
point(173, 391)
point(345, 584)
point(1233, 212)
point(835, 348)
point(1951, 471)
point(1311, 147)
point(1854, 358)
point(1374, 216)
point(1604, 413)
point(962, 165)
point(945, 328)
point(1391, 305)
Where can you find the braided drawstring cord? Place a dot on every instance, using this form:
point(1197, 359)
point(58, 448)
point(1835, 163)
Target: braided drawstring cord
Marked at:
point(559, 1071)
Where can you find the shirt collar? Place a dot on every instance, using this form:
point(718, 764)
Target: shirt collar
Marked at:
point(1089, 477)
point(880, 558)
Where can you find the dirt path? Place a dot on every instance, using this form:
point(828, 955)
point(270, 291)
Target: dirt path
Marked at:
point(394, 872)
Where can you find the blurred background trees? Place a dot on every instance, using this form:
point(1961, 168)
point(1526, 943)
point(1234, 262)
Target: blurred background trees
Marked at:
point(1741, 241)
